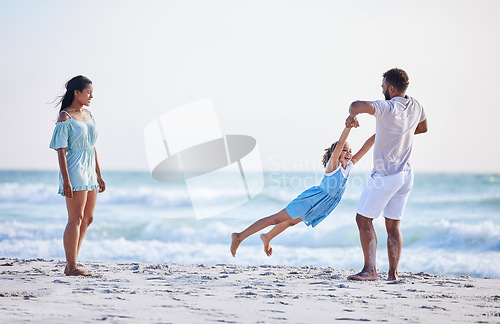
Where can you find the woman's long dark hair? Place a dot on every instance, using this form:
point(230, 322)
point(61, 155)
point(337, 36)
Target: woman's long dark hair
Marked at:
point(77, 83)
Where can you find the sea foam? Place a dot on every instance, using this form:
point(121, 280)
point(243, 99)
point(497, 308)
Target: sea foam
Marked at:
point(450, 225)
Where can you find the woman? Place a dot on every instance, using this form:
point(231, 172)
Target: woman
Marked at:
point(74, 137)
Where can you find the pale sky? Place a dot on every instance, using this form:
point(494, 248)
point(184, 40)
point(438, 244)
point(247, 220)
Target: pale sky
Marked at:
point(283, 72)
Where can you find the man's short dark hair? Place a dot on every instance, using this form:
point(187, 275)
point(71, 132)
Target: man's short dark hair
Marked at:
point(397, 78)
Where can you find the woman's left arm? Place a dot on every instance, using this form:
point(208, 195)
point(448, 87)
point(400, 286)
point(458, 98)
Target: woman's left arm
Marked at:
point(102, 184)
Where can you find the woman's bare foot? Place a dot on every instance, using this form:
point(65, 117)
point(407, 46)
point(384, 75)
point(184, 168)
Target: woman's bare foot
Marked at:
point(235, 242)
point(267, 249)
point(364, 276)
point(76, 272)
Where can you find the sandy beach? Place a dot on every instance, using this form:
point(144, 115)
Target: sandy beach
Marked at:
point(36, 290)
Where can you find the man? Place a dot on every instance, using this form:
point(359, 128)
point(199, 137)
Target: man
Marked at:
point(398, 118)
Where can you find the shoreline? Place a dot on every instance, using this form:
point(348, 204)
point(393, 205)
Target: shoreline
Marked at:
point(36, 290)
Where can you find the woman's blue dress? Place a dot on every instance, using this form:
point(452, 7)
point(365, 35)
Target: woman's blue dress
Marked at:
point(79, 138)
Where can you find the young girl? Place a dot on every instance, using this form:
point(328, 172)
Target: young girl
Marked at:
point(314, 204)
point(74, 137)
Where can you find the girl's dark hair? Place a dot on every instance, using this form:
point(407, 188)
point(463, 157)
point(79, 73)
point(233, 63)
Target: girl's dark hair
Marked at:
point(77, 83)
point(328, 154)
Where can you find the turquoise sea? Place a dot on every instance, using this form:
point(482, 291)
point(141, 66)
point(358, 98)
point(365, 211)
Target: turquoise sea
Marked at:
point(450, 226)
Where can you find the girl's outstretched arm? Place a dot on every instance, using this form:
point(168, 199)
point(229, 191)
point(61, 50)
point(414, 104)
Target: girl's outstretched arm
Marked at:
point(363, 150)
point(334, 159)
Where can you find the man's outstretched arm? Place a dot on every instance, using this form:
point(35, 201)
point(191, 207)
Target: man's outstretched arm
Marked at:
point(359, 107)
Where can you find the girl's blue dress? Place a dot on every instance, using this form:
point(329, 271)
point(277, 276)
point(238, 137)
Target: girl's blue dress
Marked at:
point(314, 204)
point(79, 138)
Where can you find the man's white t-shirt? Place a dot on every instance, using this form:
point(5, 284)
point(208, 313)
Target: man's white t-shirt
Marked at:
point(397, 120)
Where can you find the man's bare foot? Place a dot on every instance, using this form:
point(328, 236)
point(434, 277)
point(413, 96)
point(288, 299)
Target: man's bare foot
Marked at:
point(235, 242)
point(267, 249)
point(393, 276)
point(364, 276)
point(76, 272)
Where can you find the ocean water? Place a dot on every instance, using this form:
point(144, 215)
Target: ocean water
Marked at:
point(450, 226)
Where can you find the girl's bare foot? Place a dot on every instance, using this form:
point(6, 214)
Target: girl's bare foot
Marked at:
point(76, 272)
point(364, 276)
point(235, 242)
point(267, 249)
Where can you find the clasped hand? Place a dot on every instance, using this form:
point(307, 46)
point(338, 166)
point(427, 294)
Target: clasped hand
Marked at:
point(351, 121)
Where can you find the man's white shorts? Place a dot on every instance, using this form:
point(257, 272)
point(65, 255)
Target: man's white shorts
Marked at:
point(387, 193)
